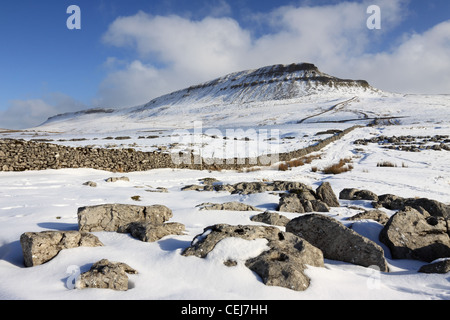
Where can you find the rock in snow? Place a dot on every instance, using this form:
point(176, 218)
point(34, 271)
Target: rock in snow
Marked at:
point(110, 217)
point(41, 247)
point(150, 232)
point(106, 275)
point(282, 265)
point(271, 218)
point(412, 235)
point(228, 206)
point(338, 242)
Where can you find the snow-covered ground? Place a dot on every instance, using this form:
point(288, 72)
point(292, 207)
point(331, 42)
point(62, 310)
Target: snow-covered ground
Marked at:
point(234, 116)
point(48, 200)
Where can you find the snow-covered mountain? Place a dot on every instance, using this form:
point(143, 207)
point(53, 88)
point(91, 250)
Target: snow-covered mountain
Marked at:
point(277, 82)
point(237, 95)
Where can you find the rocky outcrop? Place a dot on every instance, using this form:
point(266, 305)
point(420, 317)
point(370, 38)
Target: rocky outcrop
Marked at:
point(271, 218)
point(228, 206)
point(40, 247)
point(377, 215)
point(441, 267)
point(423, 205)
point(284, 262)
point(295, 204)
point(150, 232)
point(356, 194)
point(338, 242)
point(410, 234)
point(115, 179)
point(110, 217)
point(304, 199)
point(106, 275)
point(326, 194)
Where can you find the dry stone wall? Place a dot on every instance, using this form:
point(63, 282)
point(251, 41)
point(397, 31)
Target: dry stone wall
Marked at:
point(21, 155)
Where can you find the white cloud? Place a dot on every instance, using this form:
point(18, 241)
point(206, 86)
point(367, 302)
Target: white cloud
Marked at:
point(173, 52)
point(22, 114)
point(419, 64)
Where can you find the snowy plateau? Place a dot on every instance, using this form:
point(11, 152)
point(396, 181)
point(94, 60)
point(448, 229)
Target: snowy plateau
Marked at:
point(292, 106)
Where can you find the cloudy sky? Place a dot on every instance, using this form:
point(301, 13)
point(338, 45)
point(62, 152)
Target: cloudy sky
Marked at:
point(129, 52)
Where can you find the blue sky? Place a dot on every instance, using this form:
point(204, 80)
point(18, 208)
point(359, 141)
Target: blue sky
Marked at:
point(129, 52)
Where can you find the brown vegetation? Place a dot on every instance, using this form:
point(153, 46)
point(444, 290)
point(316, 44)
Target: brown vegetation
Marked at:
point(344, 165)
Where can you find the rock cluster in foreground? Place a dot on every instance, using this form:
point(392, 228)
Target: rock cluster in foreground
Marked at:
point(418, 230)
point(283, 264)
point(146, 223)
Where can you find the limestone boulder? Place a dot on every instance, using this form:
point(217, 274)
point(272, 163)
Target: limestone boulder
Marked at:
point(271, 218)
point(283, 264)
point(441, 267)
point(41, 247)
point(377, 215)
point(410, 234)
point(149, 232)
point(326, 194)
point(110, 217)
point(338, 242)
point(228, 206)
point(105, 274)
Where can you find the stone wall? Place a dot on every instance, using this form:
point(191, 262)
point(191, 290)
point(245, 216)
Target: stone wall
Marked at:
point(21, 155)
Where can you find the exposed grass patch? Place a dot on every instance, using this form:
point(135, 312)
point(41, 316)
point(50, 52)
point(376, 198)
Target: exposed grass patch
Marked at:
point(344, 165)
point(298, 162)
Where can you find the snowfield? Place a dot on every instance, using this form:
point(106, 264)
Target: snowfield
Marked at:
point(48, 200)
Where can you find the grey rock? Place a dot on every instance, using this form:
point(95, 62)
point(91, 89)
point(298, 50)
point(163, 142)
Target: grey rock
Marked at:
point(149, 232)
point(390, 201)
point(252, 187)
point(205, 242)
point(347, 194)
point(271, 218)
point(338, 242)
point(110, 217)
point(90, 184)
point(441, 267)
point(228, 206)
point(115, 179)
point(106, 275)
point(158, 190)
point(290, 203)
point(282, 265)
point(376, 215)
point(285, 263)
point(411, 235)
point(40, 247)
point(260, 187)
point(298, 203)
point(365, 195)
point(433, 207)
point(356, 194)
point(319, 206)
point(326, 194)
point(192, 187)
